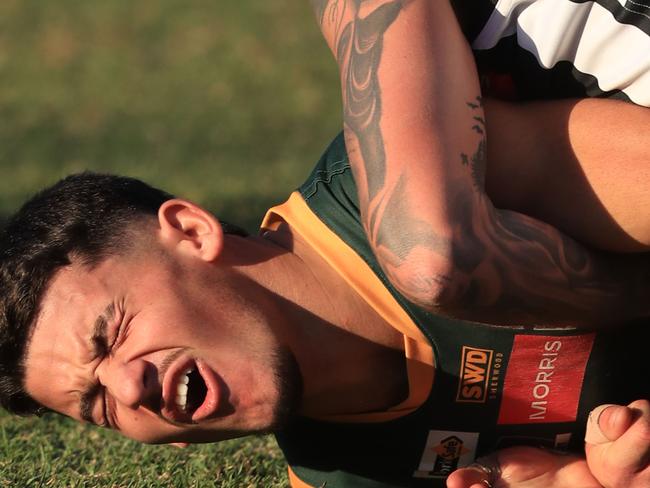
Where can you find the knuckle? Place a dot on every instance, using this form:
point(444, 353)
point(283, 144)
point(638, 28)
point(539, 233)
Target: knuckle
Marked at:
point(643, 405)
point(642, 430)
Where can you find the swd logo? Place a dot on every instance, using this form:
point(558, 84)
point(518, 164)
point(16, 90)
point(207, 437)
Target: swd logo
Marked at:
point(475, 368)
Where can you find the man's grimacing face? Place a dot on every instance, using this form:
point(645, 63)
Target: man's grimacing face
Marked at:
point(115, 344)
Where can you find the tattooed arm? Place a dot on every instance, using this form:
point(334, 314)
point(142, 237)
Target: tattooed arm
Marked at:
point(415, 134)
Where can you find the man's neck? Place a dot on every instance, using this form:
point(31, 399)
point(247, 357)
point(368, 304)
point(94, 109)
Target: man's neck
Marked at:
point(351, 359)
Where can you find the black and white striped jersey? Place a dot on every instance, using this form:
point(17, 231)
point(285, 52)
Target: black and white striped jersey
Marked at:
point(563, 48)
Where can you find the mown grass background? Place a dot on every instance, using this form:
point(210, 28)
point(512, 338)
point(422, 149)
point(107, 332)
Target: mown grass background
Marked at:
point(228, 103)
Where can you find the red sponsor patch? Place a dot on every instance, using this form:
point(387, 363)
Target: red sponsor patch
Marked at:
point(544, 379)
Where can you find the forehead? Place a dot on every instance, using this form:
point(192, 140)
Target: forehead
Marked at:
point(76, 287)
point(58, 351)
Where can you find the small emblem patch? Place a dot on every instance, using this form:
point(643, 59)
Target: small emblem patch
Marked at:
point(445, 451)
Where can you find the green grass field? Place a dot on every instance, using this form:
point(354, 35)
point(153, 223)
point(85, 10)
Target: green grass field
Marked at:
point(228, 103)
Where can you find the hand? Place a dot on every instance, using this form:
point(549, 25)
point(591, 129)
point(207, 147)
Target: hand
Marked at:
point(526, 467)
point(618, 445)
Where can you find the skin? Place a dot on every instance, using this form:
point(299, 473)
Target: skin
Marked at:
point(185, 288)
point(528, 467)
point(420, 169)
point(243, 309)
point(620, 458)
point(617, 450)
point(162, 310)
point(440, 229)
point(249, 395)
point(578, 164)
point(172, 299)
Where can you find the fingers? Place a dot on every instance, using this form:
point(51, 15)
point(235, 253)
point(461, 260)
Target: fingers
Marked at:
point(485, 472)
point(468, 478)
point(607, 423)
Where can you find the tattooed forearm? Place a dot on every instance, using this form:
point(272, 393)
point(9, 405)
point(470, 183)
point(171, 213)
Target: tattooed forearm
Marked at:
point(506, 267)
point(430, 224)
point(360, 54)
point(529, 272)
point(510, 268)
point(357, 45)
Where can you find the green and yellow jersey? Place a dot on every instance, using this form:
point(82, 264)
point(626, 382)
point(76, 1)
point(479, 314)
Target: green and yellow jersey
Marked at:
point(473, 388)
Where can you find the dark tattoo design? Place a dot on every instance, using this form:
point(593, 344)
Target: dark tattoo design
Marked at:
point(330, 13)
point(478, 159)
point(360, 51)
point(399, 232)
point(536, 273)
point(505, 267)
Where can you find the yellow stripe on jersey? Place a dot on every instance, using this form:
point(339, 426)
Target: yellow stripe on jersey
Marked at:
point(352, 268)
point(296, 482)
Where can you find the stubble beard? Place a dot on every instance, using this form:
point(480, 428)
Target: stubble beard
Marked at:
point(289, 385)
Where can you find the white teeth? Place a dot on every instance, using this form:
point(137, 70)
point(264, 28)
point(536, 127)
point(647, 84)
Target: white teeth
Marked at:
point(181, 389)
point(181, 401)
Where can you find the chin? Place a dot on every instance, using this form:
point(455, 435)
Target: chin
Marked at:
point(271, 417)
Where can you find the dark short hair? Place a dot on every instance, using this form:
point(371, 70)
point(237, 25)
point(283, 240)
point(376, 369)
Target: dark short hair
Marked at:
point(86, 216)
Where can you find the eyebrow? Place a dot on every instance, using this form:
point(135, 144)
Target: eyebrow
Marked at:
point(98, 346)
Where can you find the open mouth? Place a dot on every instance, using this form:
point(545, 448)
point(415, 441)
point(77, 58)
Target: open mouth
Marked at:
point(190, 391)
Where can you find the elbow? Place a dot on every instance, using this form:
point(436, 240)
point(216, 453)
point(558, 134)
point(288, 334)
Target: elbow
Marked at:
point(438, 283)
point(438, 292)
point(434, 270)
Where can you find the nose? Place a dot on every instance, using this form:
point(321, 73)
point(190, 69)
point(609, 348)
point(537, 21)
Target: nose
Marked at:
point(131, 383)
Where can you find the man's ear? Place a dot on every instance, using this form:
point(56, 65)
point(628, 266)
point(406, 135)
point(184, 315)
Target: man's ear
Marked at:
point(190, 229)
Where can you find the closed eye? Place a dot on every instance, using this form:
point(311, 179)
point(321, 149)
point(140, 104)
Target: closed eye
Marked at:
point(109, 421)
point(119, 334)
point(105, 422)
point(118, 337)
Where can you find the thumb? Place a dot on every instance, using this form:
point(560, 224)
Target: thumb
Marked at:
point(633, 446)
point(607, 423)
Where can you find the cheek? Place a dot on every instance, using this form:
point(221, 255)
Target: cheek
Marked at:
point(142, 426)
point(189, 327)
